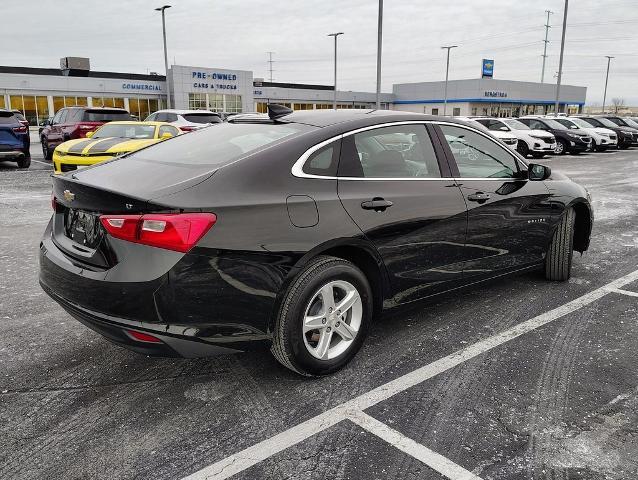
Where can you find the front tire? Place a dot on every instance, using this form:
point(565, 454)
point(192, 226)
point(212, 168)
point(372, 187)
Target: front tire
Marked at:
point(522, 148)
point(324, 317)
point(561, 147)
point(558, 261)
point(46, 151)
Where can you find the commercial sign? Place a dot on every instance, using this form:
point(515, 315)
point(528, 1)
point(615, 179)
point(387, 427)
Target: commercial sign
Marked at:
point(488, 68)
point(215, 80)
point(142, 87)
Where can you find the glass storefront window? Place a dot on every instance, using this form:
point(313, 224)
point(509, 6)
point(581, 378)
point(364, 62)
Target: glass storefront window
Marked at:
point(197, 101)
point(262, 107)
point(2, 105)
point(154, 105)
point(215, 102)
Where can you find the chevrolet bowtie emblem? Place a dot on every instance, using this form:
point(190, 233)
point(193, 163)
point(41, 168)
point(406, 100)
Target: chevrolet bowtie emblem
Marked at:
point(69, 196)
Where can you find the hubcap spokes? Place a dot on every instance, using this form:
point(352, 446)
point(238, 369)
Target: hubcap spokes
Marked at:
point(332, 320)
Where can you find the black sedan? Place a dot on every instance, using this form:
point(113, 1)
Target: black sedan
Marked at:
point(297, 229)
point(568, 140)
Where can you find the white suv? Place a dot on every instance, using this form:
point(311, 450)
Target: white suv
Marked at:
point(603, 137)
point(536, 143)
point(186, 120)
point(505, 137)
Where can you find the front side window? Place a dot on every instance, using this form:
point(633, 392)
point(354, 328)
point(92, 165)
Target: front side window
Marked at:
point(402, 151)
point(477, 156)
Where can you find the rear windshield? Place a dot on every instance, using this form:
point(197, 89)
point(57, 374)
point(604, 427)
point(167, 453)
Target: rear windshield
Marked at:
point(7, 118)
point(126, 131)
point(219, 146)
point(202, 118)
point(105, 115)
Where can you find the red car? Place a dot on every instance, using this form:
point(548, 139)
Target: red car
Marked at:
point(75, 122)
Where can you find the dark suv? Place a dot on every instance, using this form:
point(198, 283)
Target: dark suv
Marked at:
point(626, 123)
point(567, 140)
point(14, 139)
point(75, 122)
point(625, 134)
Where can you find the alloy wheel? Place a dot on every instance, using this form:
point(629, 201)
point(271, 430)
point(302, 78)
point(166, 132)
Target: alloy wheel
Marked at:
point(332, 320)
point(559, 148)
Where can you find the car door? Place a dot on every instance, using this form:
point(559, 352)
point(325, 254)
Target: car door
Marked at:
point(399, 192)
point(55, 134)
point(509, 216)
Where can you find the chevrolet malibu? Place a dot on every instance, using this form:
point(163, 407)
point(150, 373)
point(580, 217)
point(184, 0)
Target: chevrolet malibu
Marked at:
point(297, 230)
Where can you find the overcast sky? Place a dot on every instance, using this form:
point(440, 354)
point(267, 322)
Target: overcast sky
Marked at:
point(125, 36)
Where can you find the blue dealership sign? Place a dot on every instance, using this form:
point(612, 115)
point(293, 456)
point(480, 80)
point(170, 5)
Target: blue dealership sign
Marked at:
point(488, 68)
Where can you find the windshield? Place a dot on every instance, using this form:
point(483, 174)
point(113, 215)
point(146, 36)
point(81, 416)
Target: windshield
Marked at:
point(202, 118)
point(516, 125)
point(631, 123)
point(126, 131)
point(581, 123)
point(554, 124)
point(105, 115)
point(607, 123)
point(568, 123)
point(221, 145)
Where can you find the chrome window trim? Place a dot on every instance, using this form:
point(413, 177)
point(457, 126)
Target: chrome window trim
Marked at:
point(297, 168)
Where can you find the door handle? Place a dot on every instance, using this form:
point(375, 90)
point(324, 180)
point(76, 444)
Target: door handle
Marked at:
point(479, 197)
point(377, 204)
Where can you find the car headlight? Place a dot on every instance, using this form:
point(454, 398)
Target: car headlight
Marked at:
point(539, 137)
point(603, 134)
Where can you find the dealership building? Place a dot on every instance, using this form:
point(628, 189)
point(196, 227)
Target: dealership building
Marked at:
point(40, 92)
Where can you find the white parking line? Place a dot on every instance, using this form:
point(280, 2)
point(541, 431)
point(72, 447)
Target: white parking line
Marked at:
point(250, 456)
point(437, 462)
point(43, 163)
point(623, 292)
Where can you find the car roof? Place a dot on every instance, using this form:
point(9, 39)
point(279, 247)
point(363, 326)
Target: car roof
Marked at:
point(133, 122)
point(182, 112)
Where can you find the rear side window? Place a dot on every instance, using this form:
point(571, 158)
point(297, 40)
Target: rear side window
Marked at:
point(477, 156)
point(221, 145)
point(401, 151)
point(7, 118)
point(105, 115)
point(323, 161)
point(202, 118)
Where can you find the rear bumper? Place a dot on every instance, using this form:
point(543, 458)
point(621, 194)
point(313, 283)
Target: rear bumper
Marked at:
point(12, 155)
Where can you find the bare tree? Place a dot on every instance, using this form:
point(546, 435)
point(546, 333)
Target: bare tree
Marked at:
point(618, 103)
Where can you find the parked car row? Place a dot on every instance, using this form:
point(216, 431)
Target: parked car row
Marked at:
point(539, 135)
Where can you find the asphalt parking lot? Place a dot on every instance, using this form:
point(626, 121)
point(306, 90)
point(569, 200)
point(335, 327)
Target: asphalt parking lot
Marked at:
point(515, 379)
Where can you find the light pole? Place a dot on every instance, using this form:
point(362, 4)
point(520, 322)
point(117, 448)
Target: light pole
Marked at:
point(168, 88)
point(547, 27)
point(379, 45)
point(334, 101)
point(447, 71)
point(606, 80)
point(560, 63)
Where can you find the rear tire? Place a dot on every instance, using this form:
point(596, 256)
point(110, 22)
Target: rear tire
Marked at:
point(296, 346)
point(558, 261)
point(24, 162)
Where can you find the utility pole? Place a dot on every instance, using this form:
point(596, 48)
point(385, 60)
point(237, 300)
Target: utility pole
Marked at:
point(606, 80)
point(379, 45)
point(334, 102)
point(560, 63)
point(270, 62)
point(547, 27)
point(168, 88)
point(447, 71)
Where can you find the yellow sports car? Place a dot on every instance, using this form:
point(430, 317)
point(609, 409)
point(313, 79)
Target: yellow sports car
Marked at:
point(109, 141)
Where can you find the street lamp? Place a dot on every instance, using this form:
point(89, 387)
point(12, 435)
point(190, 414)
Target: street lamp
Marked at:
point(560, 62)
point(334, 102)
point(447, 71)
point(606, 80)
point(379, 47)
point(168, 89)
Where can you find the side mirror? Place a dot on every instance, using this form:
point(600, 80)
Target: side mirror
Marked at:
point(166, 135)
point(90, 134)
point(46, 122)
point(538, 172)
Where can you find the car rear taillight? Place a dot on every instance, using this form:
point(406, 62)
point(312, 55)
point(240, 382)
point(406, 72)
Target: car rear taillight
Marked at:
point(142, 337)
point(186, 128)
point(53, 202)
point(179, 232)
point(20, 129)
